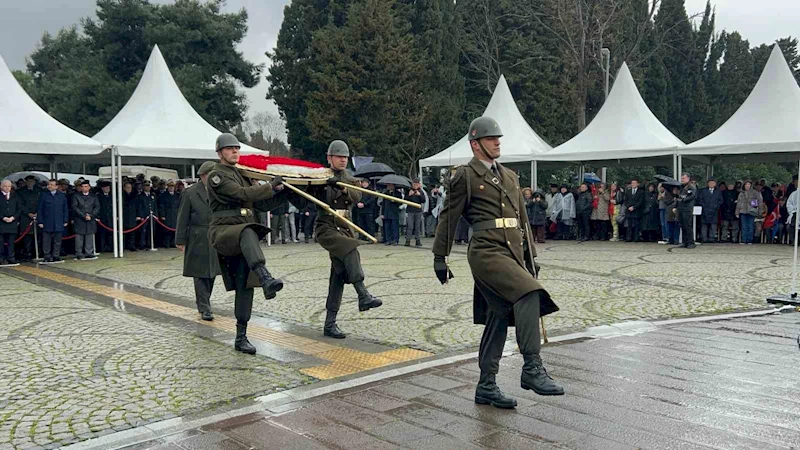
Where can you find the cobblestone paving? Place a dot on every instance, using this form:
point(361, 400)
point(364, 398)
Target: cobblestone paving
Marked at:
point(593, 283)
point(71, 369)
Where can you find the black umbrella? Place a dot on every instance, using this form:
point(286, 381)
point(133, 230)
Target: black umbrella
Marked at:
point(372, 170)
point(664, 178)
point(671, 184)
point(397, 180)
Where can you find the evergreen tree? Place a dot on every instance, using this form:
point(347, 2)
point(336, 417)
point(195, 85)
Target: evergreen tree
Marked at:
point(736, 74)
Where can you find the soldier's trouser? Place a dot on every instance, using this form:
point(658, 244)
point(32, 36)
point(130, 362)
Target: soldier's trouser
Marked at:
point(202, 293)
point(685, 218)
point(51, 245)
point(414, 227)
point(346, 270)
point(526, 321)
point(251, 249)
point(84, 244)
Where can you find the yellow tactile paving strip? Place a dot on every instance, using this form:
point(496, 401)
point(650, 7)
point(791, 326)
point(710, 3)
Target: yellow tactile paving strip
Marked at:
point(343, 361)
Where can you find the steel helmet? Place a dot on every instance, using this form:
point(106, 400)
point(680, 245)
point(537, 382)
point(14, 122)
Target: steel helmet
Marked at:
point(227, 140)
point(484, 127)
point(338, 148)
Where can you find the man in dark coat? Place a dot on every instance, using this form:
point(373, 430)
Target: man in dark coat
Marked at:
point(53, 215)
point(414, 215)
point(235, 234)
point(130, 216)
point(501, 257)
point(200, 261)
point(168, 204)
point(634, 202)
point(338, 239)
point(686, 201)
point(310, 214)
point(29, 197)
point(366, 208)
point(729, 221)
point(146, 206)
point(106, 238)
point(710, 198)
point(85, 209)
point(390, 213)
point(10, 212)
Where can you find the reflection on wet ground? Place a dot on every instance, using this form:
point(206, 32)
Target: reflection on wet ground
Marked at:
point(725, 385)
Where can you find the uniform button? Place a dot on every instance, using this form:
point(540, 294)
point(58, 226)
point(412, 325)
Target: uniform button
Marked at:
point(520, 243)
point(504, 205)
point(508, 242)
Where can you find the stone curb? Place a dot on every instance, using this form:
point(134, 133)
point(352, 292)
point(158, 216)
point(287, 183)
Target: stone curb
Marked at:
point(180, 424)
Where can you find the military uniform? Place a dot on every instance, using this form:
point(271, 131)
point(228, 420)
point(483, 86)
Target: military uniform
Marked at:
point(685, 208)
point(340, 242)
point(490, 199)
point(235, 235)
point(200, 261)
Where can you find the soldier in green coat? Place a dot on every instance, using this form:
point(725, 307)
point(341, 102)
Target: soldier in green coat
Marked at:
point(338, 239)
point(235, 234)
point(488, 196)
point(200, 261)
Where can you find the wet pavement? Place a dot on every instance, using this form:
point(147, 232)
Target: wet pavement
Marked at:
point(729, 384)
point(594, 283)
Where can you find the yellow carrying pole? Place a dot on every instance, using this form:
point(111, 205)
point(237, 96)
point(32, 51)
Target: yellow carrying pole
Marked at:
point(544, 331)
point(378, 194)
point(330, 210)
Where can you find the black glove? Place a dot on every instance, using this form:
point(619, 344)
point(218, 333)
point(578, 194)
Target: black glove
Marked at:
point(332, 182)
point(277, 180)
point(440, 267)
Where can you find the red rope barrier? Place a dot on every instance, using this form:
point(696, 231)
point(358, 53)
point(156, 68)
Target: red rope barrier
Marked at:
point(123, 231)
point(66, 238)
point(163, 225)
point(24, 233)
point(99, 222)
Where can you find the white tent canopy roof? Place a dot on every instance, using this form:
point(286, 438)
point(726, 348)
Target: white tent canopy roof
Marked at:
point(158, 122)
point(27, 129)
point(624, 128)
point(767, 122)
point(519, 143)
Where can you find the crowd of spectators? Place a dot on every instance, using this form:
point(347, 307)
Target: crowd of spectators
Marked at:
point(743, 212)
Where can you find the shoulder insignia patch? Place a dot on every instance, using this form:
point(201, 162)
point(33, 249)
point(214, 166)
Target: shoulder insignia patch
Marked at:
point(216, 180)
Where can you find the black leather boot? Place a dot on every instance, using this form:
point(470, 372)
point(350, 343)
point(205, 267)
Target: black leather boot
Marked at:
point(242, 344)
point(487, 393)
point(366, 300)
point(331, 329)
point(270, 285)
point(418, 243)
point(535, 378)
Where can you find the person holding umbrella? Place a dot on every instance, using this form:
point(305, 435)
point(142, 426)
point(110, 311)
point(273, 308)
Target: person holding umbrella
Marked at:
point(508, 293)
point(390, 211)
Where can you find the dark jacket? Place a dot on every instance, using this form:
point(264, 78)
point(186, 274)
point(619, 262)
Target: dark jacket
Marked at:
point(687, 198)
point(332, 234)
point(711, 202)
point(129, 210)
point(583, 205)
point(671, 203)
point(537, 211)
point(83, 205)
point(391, 210)
point(52, 212)
point(636, 201)
point(416, 198)
point(168, 208)
point(106, 214)
point(651, 221)
point(194, 217)
point(146, 204)
point(729, 199)
point(29, 198)
point(10, 208)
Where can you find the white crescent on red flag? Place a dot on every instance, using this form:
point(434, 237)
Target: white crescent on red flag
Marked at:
point(285, 167)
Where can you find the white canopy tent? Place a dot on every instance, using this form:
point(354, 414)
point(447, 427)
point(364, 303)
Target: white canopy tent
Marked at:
point(157, 124)
point(765, 127)
point(624, 128)
point(27, 131)
point(520, 143)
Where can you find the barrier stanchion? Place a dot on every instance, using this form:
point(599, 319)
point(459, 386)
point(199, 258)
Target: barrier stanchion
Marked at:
point(36, 239)
point(152, 233)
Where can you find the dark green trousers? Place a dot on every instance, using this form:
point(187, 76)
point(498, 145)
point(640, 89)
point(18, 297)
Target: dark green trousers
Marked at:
point(526, 322)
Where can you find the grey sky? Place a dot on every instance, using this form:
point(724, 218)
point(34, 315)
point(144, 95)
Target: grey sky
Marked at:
point(22, 23)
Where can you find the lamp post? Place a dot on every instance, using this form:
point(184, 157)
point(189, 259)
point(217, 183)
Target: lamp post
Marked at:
point(605, 56)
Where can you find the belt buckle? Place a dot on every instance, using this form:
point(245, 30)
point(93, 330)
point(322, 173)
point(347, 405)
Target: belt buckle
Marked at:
point(498, 223)
point(510, 222)
point(244, 212)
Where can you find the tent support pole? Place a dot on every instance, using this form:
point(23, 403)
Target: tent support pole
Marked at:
point(534, 175)
point(114, 215)
point(675, 167)
point(193, 173)
point(119, 202)
point(603, 174)
point(793, 292)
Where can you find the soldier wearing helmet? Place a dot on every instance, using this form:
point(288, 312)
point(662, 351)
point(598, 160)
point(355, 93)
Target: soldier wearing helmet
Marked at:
point(489, 197)
point(338, 239)
point(234, 232)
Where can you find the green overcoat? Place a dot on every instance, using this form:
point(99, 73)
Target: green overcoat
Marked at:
point(333, 234)
point(194, 216)
point(501, 259)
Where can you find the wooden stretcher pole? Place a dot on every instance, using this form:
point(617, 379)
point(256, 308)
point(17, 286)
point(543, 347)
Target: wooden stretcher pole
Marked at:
point(544, 331)
point(381, 195)
point(330, 210)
